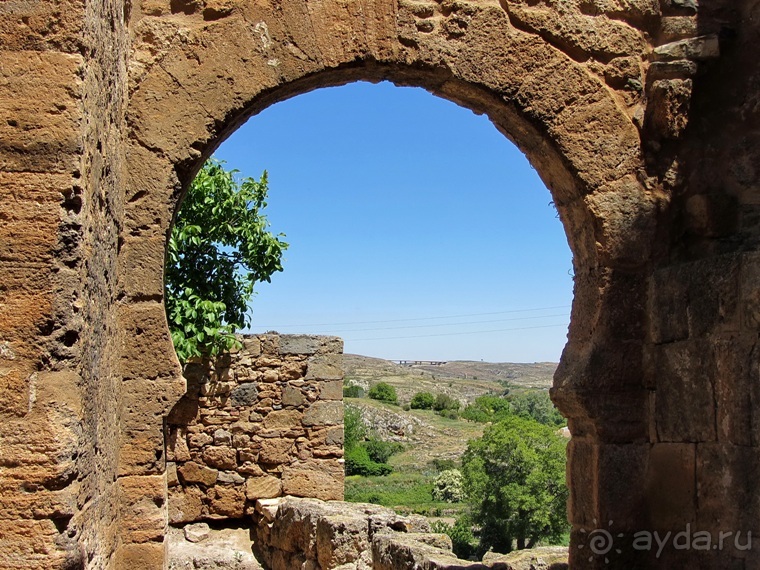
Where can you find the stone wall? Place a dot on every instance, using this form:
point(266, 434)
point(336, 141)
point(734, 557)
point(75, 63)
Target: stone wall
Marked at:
point(264, 421)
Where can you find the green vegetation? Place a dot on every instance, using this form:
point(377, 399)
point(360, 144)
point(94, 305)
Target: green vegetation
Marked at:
point(353, 391)
point(462, 538)
point(449, 486)
point(536, 406)
point(383, 392)
point(514, 480)
point(218, 249)
point(404, 492)
point(422, 401)
point(365, 453)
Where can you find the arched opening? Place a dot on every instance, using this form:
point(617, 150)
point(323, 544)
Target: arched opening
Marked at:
point(394, 214)
point(572, 129)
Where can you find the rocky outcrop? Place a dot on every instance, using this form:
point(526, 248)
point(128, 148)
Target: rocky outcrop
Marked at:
point(292, 533)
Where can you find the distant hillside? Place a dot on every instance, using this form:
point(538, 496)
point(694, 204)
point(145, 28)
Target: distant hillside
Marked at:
point(427, 435)
point(464, 380)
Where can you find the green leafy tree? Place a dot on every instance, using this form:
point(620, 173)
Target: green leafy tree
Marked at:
point(422, 401)
point(383, 392)
point(220, 246)
point(487, 408)
point(514, 479)
point(354, 428)
point(537, 406)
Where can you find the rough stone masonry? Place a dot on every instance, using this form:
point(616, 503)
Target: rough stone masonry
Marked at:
point(641, 116)
point(262, 422)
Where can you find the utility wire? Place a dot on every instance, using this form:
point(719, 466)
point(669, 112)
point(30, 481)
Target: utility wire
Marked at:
point(457, 333)
point(446, 324)
point(422, 318)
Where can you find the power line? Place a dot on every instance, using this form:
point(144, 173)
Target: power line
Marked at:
point(447, 324)
point(457, 333)
point(422, 318)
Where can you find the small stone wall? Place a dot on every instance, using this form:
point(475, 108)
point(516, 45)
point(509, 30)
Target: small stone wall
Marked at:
point(262, 422)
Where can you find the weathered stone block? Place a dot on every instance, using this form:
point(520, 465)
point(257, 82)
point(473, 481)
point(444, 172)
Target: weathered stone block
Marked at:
point(265, 487)
point(321, 479)
point(685, 397)
point(292, 396)
point(282, 419)
point(340, 539)
point(191, 473)
point(142, 499)
point(332, 390)
point(147, 556)
point(671, 487)
point(323, 413)
point(325, 367)
point(220, 457)
point(299, 344)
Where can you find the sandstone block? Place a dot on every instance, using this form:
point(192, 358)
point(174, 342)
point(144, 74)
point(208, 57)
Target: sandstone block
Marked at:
point(292, 396)
point(276, 450)
point(220, 457)
point(321, 479)
point(324, 413)
point(265, 487)
point(332, 390)
point(340, 539)
point(147, 556)
point(282, 419)
point(227, 501)
point(185, 504)
point(191, 473)
point(143, 518)
point(299, 344)
point(325, 367)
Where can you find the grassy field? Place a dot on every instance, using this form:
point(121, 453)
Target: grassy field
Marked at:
point(406, 493)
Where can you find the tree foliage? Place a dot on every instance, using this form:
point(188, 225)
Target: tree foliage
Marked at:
point(383, 392)
point(514, 478)
point(535, 405)
point(422, 401)
point(220, 246)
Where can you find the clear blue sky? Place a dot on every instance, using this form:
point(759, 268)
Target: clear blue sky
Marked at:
point(416, 229)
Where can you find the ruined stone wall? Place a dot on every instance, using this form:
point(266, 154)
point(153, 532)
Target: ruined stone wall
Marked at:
point(264, 421)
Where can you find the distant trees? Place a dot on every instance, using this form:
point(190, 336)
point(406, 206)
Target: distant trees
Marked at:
point(536, 406)
point(383, 392)
point(514, 479)
point(422, 401)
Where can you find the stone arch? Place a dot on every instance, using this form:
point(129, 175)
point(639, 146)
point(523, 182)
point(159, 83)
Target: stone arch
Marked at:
point(198, 70)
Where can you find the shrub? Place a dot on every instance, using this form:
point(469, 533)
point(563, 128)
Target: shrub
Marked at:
point(448, 487)
point(383, 392)
point(460, 533)
point(380, 451)
point(445, 402)
point(358, 462)
point(354, 430)
point(352, 391)
point(422, 401)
